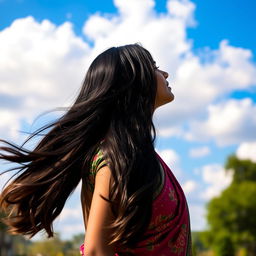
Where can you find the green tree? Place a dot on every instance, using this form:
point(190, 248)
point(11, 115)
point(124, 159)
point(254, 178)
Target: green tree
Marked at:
point(56, 247)
point(198, 245)
point(224, 246)
point(233, 212)
point(21, 245)
point(243, 170)
point(77, 241)
point(72, 247)
point(49, 247)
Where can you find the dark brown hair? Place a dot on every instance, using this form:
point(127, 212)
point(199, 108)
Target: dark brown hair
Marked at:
point(113, 110)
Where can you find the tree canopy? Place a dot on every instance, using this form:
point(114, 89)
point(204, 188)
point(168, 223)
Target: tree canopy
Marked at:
point(233, 213)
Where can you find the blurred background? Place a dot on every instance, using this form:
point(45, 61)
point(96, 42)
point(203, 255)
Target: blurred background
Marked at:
point(207, 136)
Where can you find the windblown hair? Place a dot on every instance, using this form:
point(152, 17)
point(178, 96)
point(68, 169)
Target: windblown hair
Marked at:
point(113, 111)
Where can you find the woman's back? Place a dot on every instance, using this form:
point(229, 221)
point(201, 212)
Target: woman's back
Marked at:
point(169, 230)
point(87, 189)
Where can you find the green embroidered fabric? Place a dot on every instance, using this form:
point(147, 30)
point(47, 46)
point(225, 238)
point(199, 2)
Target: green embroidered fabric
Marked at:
point(97, 163)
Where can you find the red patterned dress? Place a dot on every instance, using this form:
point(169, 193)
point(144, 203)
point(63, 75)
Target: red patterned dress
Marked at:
point(169, 231)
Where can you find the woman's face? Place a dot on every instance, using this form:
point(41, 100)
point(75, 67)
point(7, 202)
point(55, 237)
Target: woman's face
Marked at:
point(164, 92)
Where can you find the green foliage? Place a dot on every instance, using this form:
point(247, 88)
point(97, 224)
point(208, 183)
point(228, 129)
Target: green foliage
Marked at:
point(224, 246)
point(206, 237)
point(243, 170)
point(21, 245)
point(231, 216)
point(234, 211)
point(77, 240)
point(48, 247)
point(198, 243)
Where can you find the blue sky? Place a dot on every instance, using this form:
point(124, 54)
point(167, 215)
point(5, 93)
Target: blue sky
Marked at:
point(208, 48)
point(233, 20)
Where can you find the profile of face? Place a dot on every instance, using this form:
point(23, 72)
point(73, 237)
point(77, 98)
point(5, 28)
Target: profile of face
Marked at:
point(124, 73)
point(164, 92)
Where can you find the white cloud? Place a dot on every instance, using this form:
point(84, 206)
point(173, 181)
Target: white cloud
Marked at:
point(4, 177)
point(102, 29)
point(247, 150)
point(197, 216)
point(172, 159)
point(182, 9)
point(68, 231)
point(134, 9)
point(189, 186)
point(137, 21)
point(41, 67)
point(199, 84)
point(70, 221)
point(9, 124)
point(199, 152)
point(228, 122)
point(217, 179)
point(170, 156)
point(71, 213)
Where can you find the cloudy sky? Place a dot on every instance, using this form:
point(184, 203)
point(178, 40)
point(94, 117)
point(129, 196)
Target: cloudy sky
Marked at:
point(207, 47)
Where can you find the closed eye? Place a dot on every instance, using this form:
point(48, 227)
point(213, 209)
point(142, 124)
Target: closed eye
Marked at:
point(154, 64)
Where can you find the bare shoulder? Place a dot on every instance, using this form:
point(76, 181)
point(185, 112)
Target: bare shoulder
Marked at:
point(97, 233)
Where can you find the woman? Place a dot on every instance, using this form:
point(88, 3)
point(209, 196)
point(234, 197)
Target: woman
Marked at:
point(132, 203)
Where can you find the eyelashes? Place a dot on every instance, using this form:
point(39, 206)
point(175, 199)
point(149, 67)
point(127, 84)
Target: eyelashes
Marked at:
point(154, 65)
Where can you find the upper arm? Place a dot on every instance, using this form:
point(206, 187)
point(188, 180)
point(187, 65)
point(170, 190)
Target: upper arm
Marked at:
point(97, 235)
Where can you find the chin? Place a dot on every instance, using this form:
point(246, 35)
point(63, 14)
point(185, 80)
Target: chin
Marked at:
point(170, 98)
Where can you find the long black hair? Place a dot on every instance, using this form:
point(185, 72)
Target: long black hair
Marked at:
point(113, 111)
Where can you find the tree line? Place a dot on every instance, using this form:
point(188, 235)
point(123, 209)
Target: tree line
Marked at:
point(47, 247)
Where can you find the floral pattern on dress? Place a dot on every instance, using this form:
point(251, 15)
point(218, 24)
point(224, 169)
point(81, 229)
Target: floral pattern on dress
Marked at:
point(178, 246)
point(161, 222)
point(172, 195)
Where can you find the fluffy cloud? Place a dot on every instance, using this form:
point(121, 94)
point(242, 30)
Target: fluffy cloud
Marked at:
point(189, 186)
point(3, 178)
point(247, 150)
point(197, 215)
point(182, 9)
point(71, 230)
point(172, 159)
point(199, 152)
point(199, 84)
point(9, 123)
point(216, 178)
point(73, 213)
point(137, 21)
point(228, 122)
point(42, 65)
